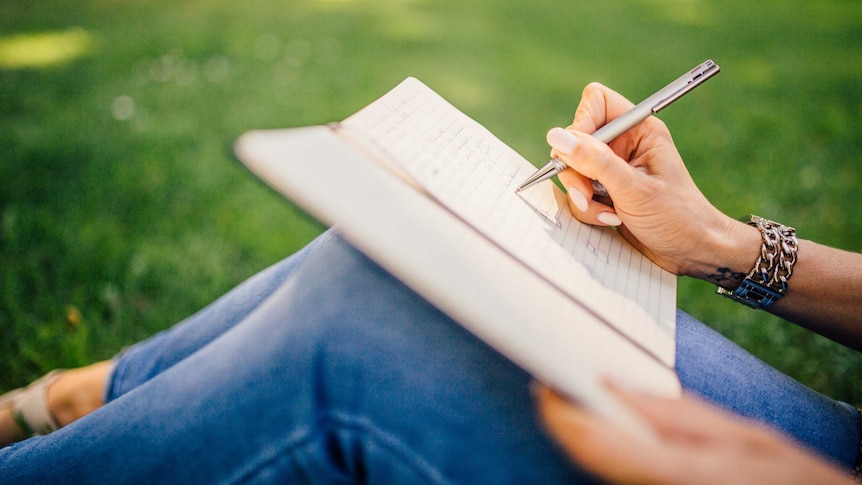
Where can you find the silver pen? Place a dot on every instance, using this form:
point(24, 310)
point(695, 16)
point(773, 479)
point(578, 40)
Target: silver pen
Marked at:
point(630, 118)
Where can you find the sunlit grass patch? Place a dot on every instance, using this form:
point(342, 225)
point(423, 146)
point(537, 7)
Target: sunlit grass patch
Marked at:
point(44, 49)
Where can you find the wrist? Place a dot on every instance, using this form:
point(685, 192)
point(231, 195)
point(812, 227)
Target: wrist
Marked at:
point(767, 281)
point(729, 251)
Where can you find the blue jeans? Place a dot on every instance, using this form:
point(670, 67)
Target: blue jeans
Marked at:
point(325, 369)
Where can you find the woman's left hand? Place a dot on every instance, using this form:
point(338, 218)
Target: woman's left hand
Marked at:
point(694, 443)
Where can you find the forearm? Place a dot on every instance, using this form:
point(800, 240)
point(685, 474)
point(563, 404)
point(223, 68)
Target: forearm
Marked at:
point(822, 294)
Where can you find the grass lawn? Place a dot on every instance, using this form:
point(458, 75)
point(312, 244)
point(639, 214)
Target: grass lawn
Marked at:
point(122, 209)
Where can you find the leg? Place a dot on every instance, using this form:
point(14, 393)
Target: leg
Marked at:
point(163, 350)
point(343, 375)
point(722, 372)
point(75, 393)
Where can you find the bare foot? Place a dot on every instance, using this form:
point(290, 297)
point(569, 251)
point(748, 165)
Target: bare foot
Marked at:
point(10, 432)
point(73, 394)
point(78, 392)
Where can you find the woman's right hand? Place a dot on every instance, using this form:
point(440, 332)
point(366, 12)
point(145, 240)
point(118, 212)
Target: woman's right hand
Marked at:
point(653, 199)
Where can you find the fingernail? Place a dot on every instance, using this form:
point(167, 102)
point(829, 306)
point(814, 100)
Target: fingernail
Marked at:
point(578, 199)
point(562, 141)
point(609, 218)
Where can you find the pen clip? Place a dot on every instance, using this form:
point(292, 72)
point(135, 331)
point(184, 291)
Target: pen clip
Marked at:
point(688, 82)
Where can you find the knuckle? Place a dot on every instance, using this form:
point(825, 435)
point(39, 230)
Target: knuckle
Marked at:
point(590, 107)
point(655, 124)
point(593, 88)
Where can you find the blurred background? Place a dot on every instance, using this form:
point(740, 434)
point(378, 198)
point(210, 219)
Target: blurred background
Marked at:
point(122, 209)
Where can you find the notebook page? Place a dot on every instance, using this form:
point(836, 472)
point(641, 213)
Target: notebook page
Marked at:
point(472, 173)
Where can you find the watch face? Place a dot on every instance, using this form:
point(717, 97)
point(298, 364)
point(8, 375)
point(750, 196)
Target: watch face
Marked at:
point(752, 294)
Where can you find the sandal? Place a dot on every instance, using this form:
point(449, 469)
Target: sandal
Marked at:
point(29, 406)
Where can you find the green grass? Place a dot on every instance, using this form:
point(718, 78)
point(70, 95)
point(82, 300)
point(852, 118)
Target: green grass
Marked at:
point(123, 210)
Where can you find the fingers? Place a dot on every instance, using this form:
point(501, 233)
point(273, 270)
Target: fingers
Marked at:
point(598, 105)
point(691, 438)
point(589, 159)
point(580, 191)
point(695, 443)
point(688, 418)
point(601, 446)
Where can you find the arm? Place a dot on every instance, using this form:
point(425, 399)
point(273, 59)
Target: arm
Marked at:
point(823, 294)
point(660, 210)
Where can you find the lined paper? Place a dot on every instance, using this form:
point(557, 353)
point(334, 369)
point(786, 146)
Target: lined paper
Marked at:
point(468, 170)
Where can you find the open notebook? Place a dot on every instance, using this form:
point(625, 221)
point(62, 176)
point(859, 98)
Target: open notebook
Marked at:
point(429, 194)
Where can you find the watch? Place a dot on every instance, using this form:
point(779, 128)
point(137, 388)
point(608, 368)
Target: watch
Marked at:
point(766, 283)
